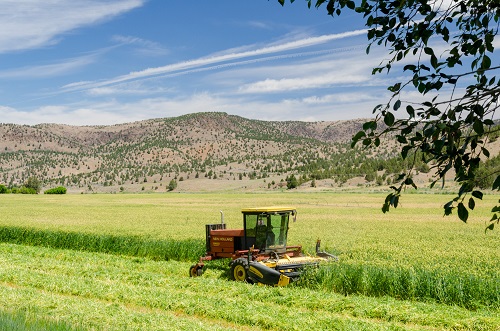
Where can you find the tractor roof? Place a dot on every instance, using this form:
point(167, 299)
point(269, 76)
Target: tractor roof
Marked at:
point(269, 209)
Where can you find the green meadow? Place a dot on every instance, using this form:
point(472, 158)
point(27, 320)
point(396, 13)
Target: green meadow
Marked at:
point(120, 262)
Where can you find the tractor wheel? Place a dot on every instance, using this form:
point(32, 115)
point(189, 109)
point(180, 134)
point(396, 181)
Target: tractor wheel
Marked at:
point(239, 270)
point(195, 271)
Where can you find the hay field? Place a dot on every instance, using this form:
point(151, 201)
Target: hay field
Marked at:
point(408, 269)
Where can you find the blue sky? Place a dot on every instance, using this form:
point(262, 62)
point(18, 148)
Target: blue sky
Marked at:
point(106, 62)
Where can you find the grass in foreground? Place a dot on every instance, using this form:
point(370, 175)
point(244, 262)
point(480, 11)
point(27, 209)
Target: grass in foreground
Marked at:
point(21, 322)
point(410, 253)
point(107, 292)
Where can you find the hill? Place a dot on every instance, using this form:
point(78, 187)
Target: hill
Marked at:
point(204, 151)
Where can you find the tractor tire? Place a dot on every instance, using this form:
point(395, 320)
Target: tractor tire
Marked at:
point(195, 271)
point(239, 270)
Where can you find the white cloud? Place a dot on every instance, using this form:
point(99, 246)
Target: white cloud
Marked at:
point(339, 98)
point(28, 24)
point(329, 107)
point(145, 47)
point(220, 59)
point(49, 70)
point(133, 88)
point(291, 84)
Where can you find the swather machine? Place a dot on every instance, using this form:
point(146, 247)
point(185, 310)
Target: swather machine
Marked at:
point(259, 252)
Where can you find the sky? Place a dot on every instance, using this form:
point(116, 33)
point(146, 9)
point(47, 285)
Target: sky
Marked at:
point(104, 62)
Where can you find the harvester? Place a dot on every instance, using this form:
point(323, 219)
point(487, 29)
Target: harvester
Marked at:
point(259, 252)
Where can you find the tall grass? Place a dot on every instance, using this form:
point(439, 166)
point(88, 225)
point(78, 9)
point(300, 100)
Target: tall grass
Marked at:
point(157, 249)
point(20, 322)
point(468, 291)
point(407, 283)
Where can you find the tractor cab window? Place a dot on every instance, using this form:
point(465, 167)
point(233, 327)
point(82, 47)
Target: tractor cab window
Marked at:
point(267, 231)
point(277, 231)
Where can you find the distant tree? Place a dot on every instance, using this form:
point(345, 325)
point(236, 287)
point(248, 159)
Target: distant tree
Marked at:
point(446, 51)
point(34, 184)
point(291, 182)
point(371, 176)
point(172, 185)
point(3, 189)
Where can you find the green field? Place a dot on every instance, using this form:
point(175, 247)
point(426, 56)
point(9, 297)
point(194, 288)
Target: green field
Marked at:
point(408, 269)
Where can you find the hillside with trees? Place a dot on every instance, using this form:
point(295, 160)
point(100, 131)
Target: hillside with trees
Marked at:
point(195, 152)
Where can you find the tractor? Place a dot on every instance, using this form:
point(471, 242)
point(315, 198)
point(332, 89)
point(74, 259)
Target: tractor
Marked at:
point(259, 252)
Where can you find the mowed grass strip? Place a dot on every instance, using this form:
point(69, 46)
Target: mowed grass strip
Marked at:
point(105, 292)
point(468, 291)
point(412, 252)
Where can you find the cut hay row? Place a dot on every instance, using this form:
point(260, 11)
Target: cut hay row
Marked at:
point(156, 249)
point(105, 292)
point(415, 283)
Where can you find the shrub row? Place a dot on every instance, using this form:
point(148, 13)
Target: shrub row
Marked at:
point(56, 190)
point(468, 291)
point(17, 190)
point(181, 250)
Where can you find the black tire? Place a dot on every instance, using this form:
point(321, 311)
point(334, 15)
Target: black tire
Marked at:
point(239, 270)
point(195, 270)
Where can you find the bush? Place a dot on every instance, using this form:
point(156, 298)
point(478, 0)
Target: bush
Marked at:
point(56, 190)
point(33, 183)
point(3, 189)
point(291, 182)
point(23, 190)
point(172, 185)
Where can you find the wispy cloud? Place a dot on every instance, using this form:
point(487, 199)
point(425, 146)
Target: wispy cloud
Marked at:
point(132, 88)
point(220, 59)
point(49, 70)
point(28, 24)
point(144, 47)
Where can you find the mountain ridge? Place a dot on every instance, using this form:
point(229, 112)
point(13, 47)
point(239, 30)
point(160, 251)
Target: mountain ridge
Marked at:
point(209, 145)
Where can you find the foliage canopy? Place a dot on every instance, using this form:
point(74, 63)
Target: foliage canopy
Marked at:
point(449, 45)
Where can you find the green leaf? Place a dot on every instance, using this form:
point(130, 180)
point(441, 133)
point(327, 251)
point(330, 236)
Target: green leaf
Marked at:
point(411, 111)
point(389, 119)
point(411, 67)
point(477, 194)
point(485, 152)
point(397, 104)
point(472, 204)
point(428, 51)
point(434, 61)
point(395, 201)
point(359, 135)
point(463, 213)
point(496, 184)
point(478, 127)
point(486, 64)
point(448, 208)
point(401, 139)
